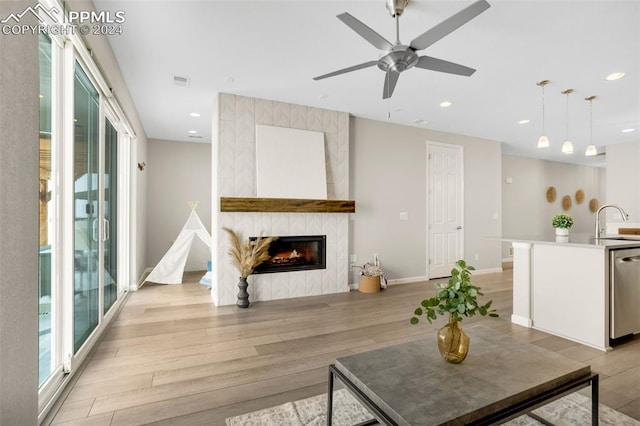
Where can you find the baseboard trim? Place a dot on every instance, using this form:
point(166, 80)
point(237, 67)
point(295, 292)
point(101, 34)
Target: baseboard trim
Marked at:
point(525, 322)
point(408, 280)
point(137, 286)
point(487, 271)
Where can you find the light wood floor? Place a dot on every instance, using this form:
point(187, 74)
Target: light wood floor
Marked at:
point(172, 358)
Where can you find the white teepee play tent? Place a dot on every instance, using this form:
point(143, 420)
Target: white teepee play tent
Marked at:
point(171, 267)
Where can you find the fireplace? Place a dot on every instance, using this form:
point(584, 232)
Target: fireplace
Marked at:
point(295, 253)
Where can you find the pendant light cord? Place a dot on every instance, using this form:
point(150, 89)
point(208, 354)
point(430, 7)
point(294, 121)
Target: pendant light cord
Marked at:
point(590, 121)
point(567, 116)
point(543, 132)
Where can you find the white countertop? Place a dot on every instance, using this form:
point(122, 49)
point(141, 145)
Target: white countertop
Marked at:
point(579, 240)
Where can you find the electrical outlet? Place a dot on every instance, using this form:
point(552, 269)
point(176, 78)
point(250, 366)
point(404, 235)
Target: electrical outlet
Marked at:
point(511, 251)
point(477, 256)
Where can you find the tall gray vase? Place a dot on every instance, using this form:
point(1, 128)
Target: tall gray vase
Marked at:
point(243, 296)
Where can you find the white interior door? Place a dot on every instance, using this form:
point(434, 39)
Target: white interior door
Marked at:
point(446, 233)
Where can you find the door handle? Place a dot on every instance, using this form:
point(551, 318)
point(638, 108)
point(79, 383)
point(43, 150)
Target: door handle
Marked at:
point(107, 229)
point(630, 259)
point(94, 227)
point(458, 227)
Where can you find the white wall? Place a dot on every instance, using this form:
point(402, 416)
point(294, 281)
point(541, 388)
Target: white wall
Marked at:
point(19, 111)
point(623, 179)
point(177, 172)
point(525, 209)
point(389, 175)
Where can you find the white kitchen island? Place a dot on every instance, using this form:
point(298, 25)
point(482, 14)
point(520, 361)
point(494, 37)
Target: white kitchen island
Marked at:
point(561, 285)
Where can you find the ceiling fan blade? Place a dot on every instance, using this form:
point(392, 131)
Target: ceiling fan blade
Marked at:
point(390, 80)
point(348, 69)
point(449, 25)
point(435, 64)
point(365, 32)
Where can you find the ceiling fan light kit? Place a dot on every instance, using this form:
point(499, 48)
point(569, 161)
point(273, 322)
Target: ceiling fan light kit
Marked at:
point(397, 57)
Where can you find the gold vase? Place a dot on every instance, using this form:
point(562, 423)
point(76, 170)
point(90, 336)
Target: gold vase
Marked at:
point(453, 343)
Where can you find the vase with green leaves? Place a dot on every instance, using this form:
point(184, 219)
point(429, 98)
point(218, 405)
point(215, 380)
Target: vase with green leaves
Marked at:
point(562, 222)
point(456, 299)
point(246, 256)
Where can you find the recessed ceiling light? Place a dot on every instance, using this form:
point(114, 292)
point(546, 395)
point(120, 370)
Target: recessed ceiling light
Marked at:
point(628, 130)
point(446, 104)
point(523, 122)
point(194, 114)
point(193, 132)
point(421, 122)
point(615, 76)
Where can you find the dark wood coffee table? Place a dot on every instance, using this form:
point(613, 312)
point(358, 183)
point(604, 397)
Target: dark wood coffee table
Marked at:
point(502, 378)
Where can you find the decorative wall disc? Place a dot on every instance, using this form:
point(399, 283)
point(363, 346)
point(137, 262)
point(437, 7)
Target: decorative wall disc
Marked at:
point(551, 194)
point(566, 202)
point(579, 196)
point(593, 205)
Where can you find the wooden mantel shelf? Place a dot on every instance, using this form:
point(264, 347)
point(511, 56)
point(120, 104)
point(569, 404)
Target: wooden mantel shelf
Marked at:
point(286, 205)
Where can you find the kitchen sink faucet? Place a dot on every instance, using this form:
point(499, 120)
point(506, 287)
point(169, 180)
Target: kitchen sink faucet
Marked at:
point(599, 230)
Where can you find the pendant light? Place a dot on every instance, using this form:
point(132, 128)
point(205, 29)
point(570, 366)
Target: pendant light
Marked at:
point(543, 141)
point(591, 148)
point(567, 146)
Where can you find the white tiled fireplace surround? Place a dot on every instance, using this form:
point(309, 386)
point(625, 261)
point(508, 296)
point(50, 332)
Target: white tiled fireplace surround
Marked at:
point(236, 122)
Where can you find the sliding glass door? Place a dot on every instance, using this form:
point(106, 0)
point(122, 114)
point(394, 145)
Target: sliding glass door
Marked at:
point(87, 222)
point(83, 209)
point(110, 219)
point(48, 297)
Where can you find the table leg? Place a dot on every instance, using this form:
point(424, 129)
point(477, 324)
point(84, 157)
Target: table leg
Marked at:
point(330, 397)
point(595, 400)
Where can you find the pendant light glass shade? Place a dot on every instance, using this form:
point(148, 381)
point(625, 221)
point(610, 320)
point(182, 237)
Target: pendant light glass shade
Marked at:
point(543, 141)
point(567, 146)
point(591, 148)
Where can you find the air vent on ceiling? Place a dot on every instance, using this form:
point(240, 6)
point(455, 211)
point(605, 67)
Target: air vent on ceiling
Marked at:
point(195, 137)
point(180, 80)
point(421, 122)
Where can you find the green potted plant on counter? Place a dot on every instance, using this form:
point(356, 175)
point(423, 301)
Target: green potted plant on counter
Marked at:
point(562, 222)
point(457, 299)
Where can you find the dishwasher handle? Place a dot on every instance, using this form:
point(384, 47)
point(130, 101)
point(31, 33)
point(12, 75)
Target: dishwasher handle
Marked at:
point(627, 259)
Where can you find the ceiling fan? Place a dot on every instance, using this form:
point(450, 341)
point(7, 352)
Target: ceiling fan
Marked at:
point(396, 58)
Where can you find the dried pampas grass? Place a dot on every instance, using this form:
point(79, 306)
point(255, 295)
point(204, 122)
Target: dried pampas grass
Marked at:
point(246, 256)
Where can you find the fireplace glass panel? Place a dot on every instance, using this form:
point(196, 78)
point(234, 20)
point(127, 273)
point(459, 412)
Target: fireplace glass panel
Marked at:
point(295, 253)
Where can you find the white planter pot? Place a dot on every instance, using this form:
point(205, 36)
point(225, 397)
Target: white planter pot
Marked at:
point(563, 232)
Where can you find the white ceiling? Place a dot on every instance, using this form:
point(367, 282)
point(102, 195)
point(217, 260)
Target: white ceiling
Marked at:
point(273, 49)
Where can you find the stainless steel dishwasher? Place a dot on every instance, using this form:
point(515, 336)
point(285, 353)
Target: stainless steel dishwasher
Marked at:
point(625, 292)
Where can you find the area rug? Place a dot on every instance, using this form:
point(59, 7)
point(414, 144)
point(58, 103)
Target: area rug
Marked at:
point(573, 409)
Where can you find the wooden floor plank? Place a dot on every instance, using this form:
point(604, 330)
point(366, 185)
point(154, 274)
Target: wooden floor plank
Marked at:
point(172, 358)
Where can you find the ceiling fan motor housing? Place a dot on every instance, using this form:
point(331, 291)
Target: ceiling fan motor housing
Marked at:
point(396, 7)
point(400, 58)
